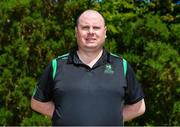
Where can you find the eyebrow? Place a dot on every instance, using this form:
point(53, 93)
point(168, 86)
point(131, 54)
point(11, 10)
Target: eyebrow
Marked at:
point(94, 26)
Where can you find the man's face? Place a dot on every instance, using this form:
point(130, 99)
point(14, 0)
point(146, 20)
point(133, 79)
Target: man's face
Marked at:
point(90, 31)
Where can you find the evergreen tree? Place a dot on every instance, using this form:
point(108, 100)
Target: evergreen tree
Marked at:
point(33, 32)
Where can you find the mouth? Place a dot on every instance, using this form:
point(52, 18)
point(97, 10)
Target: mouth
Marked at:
point(90, 39)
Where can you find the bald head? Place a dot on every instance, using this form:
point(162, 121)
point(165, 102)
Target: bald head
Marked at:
point(90, 13)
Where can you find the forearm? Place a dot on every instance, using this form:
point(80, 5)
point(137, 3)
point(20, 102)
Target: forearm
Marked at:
point(132, 111)
point(45, 108)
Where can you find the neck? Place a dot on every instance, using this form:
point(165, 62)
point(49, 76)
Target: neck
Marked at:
point(89, 58)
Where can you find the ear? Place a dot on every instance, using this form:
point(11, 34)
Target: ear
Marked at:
point(105, 30)
point(76, 31)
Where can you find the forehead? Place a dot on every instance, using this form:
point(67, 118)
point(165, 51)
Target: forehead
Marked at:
point(91, 17)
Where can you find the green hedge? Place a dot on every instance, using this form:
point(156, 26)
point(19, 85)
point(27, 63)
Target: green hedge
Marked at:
point(35, 31)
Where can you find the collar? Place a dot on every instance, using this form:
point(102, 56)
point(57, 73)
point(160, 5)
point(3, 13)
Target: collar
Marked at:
point(74, 59)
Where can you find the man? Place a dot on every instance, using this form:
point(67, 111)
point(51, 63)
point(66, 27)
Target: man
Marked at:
point(89, 87)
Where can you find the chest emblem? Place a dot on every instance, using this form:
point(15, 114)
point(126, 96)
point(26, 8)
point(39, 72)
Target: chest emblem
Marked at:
point(108, 69)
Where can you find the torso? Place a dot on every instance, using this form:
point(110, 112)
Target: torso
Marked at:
point(89, 96)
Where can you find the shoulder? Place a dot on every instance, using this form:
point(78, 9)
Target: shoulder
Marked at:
point(116, 58)
point(61, 58)
point(58, 62)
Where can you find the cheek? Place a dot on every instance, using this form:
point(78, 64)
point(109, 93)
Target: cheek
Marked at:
point(102, 35)
point(81, 38)
point(82, 35)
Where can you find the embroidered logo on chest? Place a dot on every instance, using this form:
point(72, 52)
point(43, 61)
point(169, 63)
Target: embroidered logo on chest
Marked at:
point(108, 69)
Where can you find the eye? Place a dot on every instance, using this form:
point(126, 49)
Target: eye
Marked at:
point(96, 27)
point(85, 28)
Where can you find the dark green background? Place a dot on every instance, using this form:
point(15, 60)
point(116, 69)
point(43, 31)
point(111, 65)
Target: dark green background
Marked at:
point(32, 32)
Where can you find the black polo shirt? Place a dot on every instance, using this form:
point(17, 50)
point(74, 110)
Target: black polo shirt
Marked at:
point(87, 96)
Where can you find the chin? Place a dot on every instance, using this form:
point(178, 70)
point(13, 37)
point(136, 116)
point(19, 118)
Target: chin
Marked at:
point(90, 45)
point(92, 48)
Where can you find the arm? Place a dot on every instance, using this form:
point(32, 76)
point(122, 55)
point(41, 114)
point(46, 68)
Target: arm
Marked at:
point(45, 108)
point(132, 111)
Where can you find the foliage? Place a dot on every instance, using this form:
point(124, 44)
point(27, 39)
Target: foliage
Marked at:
point(35, 31)
point(35, 120)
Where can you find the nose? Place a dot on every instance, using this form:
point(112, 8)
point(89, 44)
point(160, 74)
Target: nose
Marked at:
point(91, 31)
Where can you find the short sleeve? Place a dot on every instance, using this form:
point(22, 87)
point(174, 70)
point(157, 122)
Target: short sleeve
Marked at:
point(133, 92)
point(43, 91)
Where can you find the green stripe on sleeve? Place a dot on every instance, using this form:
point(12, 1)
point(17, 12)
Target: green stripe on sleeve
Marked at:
point(125, 67)
point(54, 65)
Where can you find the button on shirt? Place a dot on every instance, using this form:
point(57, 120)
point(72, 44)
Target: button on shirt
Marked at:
point(85, 96)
